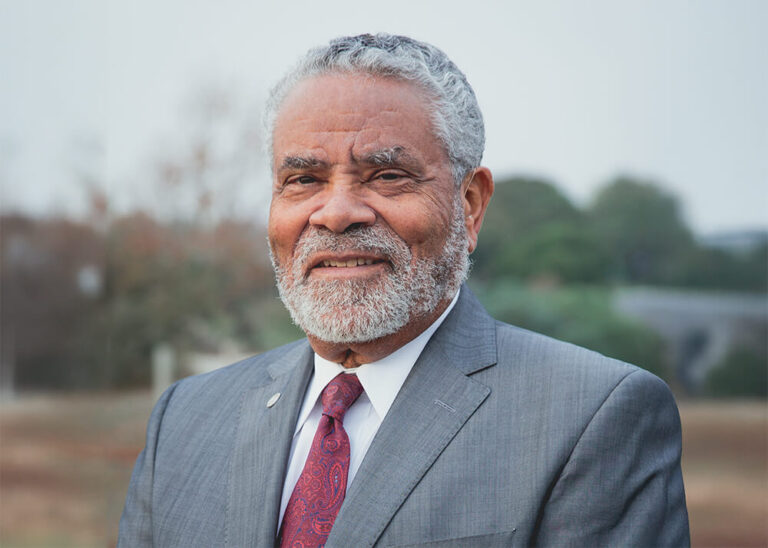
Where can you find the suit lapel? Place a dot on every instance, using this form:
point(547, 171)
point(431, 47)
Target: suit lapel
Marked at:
point(435, 401)
point(262, 446)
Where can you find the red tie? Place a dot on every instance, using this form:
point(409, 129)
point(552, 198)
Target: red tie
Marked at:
point(318, 494)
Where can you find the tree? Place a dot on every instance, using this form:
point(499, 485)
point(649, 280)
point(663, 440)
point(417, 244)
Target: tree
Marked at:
point(743, 373)
point(724, 269)
point(532, 231)
point(50, 278)
point(581, 315)
point(640, 228)
point(186, 285)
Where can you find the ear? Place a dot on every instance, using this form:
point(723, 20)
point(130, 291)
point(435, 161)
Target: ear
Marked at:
point(476, 191)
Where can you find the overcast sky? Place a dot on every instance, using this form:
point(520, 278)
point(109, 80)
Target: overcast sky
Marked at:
point(576, 92)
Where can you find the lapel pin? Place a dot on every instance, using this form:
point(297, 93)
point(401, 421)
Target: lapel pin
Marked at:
point(273, 400)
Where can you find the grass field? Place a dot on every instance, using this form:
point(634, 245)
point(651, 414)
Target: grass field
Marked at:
point(65, 462)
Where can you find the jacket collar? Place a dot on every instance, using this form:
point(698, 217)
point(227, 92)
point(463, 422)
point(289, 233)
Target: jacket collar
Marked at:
point(436, 400)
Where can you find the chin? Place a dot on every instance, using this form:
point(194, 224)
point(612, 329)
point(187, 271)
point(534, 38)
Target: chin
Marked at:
point(349, 324)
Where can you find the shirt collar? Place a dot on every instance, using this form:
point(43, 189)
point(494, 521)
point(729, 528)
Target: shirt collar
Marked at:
point(381, 379)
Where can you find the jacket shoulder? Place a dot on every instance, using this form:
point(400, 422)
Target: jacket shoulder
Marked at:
point(566, 376)
point(248, 373)
point(539, 353)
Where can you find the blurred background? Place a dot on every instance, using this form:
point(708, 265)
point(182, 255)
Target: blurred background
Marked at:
point(630, 146)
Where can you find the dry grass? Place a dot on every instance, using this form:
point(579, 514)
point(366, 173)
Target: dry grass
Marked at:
point(65, 462)
point(725, 451)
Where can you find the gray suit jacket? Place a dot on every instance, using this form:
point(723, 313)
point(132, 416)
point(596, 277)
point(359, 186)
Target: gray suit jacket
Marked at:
point(499, 437)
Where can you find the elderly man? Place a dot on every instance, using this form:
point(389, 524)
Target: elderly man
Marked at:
point(408, 417)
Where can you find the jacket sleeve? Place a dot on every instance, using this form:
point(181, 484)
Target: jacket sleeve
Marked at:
point(136, 521)
point(622, 484)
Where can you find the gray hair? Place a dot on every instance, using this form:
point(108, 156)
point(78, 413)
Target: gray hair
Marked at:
point(456, 116)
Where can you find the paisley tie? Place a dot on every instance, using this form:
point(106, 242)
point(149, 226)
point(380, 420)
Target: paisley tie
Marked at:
point(318, 494)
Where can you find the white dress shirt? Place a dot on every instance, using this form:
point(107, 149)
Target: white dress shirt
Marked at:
point(381, 382)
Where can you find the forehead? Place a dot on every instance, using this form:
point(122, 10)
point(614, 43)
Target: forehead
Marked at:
point(359, 113)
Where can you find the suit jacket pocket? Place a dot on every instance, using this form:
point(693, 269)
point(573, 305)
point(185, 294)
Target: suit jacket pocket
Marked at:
point(493, 540)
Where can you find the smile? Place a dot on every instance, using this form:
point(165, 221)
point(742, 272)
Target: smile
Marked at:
point(348, 265)
point(359, 261)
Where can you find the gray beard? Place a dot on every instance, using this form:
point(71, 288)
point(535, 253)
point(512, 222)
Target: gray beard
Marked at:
point(355, 311)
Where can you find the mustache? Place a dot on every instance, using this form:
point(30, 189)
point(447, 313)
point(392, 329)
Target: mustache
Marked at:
point(375, 239)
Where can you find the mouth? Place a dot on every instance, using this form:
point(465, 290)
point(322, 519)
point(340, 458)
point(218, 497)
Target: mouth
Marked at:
point(348, 265)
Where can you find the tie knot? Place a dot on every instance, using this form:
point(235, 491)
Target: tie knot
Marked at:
point(339, 394)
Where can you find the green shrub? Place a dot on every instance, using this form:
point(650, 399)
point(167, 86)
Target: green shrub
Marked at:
point(743, 373)
point(579, 315)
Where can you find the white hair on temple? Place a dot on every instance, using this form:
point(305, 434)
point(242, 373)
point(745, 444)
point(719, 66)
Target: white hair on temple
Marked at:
point(456, 116)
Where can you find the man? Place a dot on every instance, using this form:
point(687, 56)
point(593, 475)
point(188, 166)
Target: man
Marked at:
point(408, 417)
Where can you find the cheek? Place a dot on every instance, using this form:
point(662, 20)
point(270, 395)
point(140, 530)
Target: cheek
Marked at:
point(283, 230)
point(424, 229)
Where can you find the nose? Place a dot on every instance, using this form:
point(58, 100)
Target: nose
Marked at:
point(342, 209)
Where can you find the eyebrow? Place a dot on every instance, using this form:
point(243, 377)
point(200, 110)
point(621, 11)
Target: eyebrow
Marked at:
point(387, 157)
point(302, 162)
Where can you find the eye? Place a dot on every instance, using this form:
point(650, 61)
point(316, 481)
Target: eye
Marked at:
point(388, 176)
point(301, 179)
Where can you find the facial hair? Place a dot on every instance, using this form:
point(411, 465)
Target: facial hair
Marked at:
point(361, 310)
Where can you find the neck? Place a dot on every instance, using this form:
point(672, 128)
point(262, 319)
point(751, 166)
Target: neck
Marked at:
point(351, 355)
